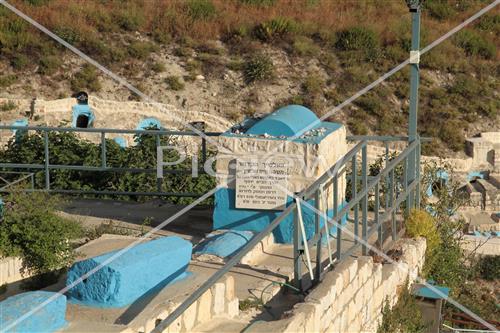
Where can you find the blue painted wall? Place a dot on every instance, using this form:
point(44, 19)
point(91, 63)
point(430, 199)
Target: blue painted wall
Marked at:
point(226, 216)
point(49, 318)
point(142, 269)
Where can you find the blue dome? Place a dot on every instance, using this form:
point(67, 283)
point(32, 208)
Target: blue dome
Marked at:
point(286, 121)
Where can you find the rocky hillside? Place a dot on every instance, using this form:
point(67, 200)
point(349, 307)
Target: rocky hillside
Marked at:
point(241, 57)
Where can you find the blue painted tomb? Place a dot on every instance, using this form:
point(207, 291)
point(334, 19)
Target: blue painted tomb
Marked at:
point(49, 315)
point(126, 277)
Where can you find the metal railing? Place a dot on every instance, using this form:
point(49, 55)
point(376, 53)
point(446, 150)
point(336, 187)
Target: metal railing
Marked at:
point(390, 184)
point(46, 167)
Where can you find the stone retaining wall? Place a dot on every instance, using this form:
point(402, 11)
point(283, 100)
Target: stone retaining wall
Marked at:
point(218, 302)
point(351, 297)
point(10, 270)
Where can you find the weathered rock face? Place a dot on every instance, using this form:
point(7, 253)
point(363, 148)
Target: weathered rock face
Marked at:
point(49, 315)
point(128, 275)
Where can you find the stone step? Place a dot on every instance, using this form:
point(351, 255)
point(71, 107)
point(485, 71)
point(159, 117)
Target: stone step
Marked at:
point(222, 325)
point(494, 180)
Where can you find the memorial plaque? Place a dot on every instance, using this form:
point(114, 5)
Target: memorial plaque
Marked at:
point(261, 184)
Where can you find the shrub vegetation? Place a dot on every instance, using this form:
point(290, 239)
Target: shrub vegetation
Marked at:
point(31, 229)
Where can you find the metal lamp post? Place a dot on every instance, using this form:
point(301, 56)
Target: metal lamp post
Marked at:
point(414, 7)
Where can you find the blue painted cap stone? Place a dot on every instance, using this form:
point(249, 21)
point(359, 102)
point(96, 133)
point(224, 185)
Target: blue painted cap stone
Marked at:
point(126, 277)
point(225, 244)
point(49, 317)
point(436, 292)
point(286, 121)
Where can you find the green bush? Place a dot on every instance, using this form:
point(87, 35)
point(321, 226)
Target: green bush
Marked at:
point(141, 50)
point(258, 68)
point(86, 79)
point(276, 28)
point(357, 127)
point(130, 18)
point(49, 65)
point(371, 104)
point(404, 317)
point(489, 267)
point(439, 9)
point(490, 23)
point(466, 86)
point(158, 67)
point(68, 149)
point(201, 9)
point(258, 3)
point(357, 39)
point(304, 46)
point(7, 106)
point(20, 61)
point(174, 83)
point(475, 45)
point(31, 229)
point(7, 80)
point(419, 223)
point(67, 33)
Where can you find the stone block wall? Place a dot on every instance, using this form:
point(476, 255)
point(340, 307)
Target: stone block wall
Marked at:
point(220, 301)
point(351, 297)
point(10, 270)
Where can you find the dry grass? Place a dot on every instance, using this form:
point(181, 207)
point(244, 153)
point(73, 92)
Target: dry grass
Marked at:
point(175, 16)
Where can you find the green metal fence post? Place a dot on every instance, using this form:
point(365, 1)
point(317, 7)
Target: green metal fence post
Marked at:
point(354, 190)
point(414, 7)
point(364, 203)
point(103, 149)
point(47, 163)
point(319, 208)
point(297, 270)
point(417, 190)
point(377, 215)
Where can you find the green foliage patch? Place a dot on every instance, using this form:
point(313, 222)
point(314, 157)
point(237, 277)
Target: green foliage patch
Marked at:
point(30, 228)
point(86, 79)
point(68, 149)
point(258, 68)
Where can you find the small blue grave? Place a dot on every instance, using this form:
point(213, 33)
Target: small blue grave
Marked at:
point(49, 315)
point(20, 123)
point(473, 175)
point(442, 180)
point(225, 244)
point(286, 122)
point(82, 116)
point(148, 123)
point(120, 141)
point(144, 268)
